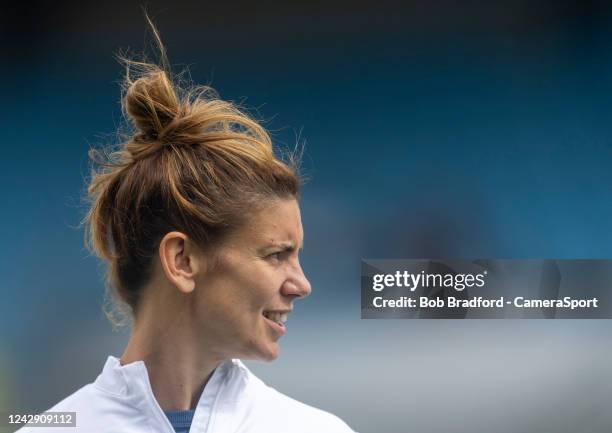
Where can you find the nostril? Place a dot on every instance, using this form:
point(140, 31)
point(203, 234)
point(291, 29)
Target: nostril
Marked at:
point(295, 288)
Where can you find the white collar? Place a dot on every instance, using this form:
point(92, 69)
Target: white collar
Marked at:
point(131, 383)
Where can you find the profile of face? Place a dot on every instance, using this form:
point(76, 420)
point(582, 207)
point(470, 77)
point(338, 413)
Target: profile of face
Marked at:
point(242, 301)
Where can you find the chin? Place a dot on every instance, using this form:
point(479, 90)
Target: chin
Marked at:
point(265, 353)
point(268, 354)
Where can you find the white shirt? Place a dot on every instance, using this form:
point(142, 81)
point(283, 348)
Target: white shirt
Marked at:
point(234, 400)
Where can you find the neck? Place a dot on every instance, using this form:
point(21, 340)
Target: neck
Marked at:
point(177, 366)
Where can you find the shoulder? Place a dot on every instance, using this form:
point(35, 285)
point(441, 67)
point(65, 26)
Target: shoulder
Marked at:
point(314, 418)
point(75, 402)
point(94, 409)
point(290, 414)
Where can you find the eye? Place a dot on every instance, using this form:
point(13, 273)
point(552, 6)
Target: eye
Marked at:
point(277, 256)
point(274, 256)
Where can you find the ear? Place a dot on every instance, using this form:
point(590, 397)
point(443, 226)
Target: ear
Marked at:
point(181, 260)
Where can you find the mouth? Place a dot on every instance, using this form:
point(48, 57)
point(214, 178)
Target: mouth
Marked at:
point(276, 319)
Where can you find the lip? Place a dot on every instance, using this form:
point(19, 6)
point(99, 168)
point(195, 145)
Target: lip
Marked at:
point(278, 311)
point(278, 329)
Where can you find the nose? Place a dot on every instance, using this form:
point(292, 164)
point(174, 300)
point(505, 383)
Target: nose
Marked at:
point(297, 284)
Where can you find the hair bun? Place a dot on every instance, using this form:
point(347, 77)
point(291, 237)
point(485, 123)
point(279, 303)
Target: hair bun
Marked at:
point(151, 102)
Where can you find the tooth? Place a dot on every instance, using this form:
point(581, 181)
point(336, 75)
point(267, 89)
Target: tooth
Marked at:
point(276, 317)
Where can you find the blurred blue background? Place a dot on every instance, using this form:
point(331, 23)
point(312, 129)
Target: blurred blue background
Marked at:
point(432, 129)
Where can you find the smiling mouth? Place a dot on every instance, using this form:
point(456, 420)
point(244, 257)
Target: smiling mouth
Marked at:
point(276, 317)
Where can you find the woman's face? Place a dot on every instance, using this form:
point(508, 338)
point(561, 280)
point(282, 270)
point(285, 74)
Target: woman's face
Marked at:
point(254, 281)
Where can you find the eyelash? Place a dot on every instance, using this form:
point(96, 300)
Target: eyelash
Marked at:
point(275, 255)
point(278, 255)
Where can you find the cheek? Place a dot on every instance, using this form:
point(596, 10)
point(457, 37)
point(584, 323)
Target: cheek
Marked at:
point(232, 306)
point(266, 292)
point(237, 296)
point(259, 287)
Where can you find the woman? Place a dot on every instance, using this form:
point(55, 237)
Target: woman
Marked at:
point(200, 225)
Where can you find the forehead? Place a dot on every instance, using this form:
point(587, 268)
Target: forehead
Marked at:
point(279, 221)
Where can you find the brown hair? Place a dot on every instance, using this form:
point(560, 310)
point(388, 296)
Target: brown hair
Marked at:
point(192, 163)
